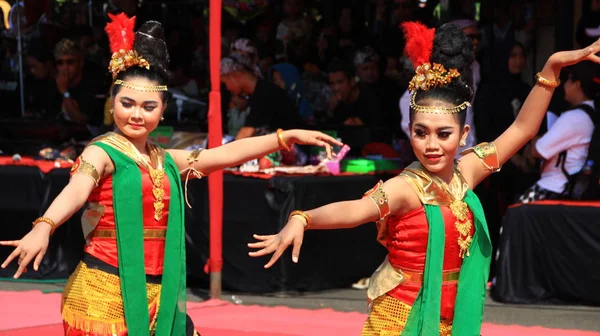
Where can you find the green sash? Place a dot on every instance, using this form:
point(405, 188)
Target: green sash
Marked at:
point(128, 212)
point(424, 317)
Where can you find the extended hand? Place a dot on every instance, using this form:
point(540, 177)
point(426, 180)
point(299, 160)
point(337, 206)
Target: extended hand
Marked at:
point(314, 138)
point(293, 232)
point(570, 57)
point(32, 245)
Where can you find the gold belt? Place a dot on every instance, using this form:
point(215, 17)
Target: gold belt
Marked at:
point(148, 233)
point(414, 277)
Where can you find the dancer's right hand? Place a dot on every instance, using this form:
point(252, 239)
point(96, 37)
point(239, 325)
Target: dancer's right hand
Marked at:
point(293, 232)
point(32, 245)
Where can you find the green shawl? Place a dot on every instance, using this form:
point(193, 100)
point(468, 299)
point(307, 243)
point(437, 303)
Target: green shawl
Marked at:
point(424, 318)
point(128, 212)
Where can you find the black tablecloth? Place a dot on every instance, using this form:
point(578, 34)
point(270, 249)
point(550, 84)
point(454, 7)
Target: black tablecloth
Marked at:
point(329, 259)
point(549, 254)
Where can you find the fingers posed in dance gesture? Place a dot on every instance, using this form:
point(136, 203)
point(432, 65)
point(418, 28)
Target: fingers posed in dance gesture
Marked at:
point(32, 247)
point(313, 138)
point(292, 233)
point(570, 57)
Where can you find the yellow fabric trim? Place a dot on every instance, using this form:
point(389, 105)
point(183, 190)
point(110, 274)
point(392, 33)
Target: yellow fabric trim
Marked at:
point(92, 301)
point(388, 316)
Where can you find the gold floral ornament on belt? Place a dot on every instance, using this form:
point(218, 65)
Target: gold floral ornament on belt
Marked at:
point(191, 171)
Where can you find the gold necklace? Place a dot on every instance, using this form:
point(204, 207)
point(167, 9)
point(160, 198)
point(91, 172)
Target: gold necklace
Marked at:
point(463, 224)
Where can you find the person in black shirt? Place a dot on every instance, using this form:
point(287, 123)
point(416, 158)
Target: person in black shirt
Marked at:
point(350, 104)
point(270, 106)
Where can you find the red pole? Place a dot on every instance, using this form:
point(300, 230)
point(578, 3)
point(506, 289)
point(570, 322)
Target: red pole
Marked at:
point(215, 136)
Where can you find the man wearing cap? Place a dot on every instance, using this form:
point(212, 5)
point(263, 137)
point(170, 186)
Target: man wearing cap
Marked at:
point(270, 107)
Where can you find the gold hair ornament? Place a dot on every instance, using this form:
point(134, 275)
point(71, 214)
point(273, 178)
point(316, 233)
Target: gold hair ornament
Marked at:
point(154, 88)
point(436, 109)
point(123, 59)
point(428, 76)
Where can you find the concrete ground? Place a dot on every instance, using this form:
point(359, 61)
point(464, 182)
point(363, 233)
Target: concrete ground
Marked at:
point(352, 300)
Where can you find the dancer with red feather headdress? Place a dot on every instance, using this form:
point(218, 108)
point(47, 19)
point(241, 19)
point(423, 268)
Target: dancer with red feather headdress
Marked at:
point(433, 280)
point(131, 280)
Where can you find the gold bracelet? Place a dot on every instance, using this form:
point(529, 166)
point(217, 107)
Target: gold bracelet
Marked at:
point(307, 221)
point(47, 221)
point(545, 82)
point(282, 143)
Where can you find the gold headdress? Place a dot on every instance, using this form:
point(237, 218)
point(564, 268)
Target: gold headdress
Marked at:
point(428, 76)
point(121, 36)
point(419, 46)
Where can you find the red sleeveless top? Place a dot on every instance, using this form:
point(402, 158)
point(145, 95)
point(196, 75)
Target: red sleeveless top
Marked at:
point(407, 246)
point(105, 249)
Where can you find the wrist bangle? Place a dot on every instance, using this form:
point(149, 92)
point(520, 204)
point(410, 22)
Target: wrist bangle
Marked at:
point(45, 220)
point(282, 142)
point(545, 82)
point(307, 221)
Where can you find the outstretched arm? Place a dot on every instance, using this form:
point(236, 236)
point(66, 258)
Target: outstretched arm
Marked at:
point(71, 198)
point(340, 215)
point(244, 150)
point(531, 115)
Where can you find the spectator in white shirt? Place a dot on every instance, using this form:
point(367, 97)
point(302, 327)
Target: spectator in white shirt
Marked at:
point(570, 133)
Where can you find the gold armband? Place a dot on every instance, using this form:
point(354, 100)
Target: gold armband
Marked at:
point(487, 153)
point(380, 198)
point(82, 166)
point(305, 218)
point(191, 159)
point(47, 221)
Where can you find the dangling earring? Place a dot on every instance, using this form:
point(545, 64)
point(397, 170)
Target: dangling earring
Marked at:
point(162, 118)
point(112, 110)
point(463, 143)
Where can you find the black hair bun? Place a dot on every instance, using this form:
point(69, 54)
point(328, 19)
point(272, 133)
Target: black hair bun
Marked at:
point(454, 50)
point(151, 44)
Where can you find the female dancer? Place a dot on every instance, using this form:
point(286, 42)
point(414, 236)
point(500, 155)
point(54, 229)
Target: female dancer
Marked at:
point(132, 278)
point(428, 218)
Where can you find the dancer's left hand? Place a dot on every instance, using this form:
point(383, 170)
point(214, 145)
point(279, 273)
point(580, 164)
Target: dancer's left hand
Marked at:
point(313, 138)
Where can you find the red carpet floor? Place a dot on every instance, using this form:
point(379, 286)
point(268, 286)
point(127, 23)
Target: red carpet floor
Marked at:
point(35, 313)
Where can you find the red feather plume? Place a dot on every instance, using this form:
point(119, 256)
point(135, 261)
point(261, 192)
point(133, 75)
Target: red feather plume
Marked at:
point(120, 32)
point(419, 42)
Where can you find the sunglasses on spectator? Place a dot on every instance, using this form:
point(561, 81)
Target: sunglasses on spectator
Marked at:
point(69, 61)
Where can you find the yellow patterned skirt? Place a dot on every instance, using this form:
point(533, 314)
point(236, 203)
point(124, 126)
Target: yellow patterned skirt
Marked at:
point(92, 303)
point(388, 316)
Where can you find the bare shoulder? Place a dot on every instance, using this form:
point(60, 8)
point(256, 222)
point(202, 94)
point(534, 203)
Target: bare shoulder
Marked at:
point(468, 165)
point(402, 197)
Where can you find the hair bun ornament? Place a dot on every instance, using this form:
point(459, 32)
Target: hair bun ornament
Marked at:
point(121, 36)
point(419, 42)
